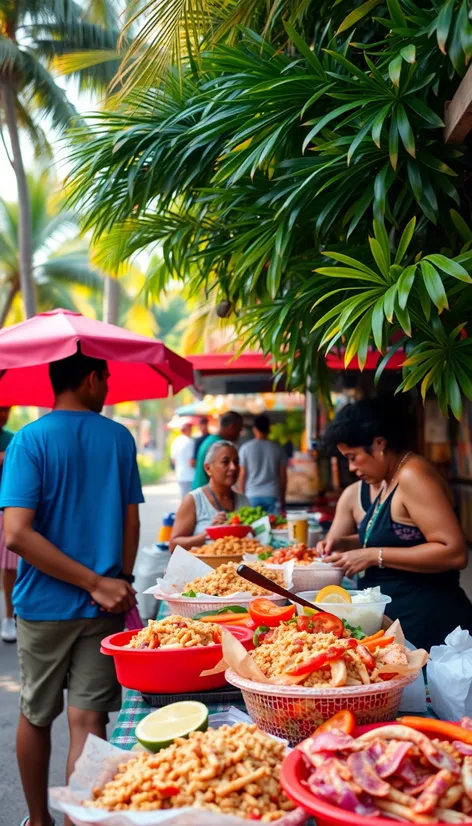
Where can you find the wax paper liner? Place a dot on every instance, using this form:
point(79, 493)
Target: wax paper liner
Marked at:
point(98, 764)
point(241, 662)
point(184, 567)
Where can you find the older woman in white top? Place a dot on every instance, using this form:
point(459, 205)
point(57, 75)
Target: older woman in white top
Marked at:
point(210, 504)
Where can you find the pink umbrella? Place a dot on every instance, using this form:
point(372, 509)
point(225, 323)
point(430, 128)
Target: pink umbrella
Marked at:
point(140, 367)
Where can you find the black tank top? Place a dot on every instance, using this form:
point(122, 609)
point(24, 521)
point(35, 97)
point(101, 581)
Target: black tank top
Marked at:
point(429, 606)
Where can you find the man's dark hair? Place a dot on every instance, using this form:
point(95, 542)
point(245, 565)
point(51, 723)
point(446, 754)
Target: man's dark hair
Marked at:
point(227, 419)
point(262, 424)
point(203, 420)
point(69, 373)
point(358, 424)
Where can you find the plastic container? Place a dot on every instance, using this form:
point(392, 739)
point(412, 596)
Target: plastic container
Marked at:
point(189, 606)
point(297, 524)
point(220, 531)
point(369, 615)
point(314, 535)
point(316, 578)
point(168, 670)
point(294, 712)
point(293, 776)
point(166, 528)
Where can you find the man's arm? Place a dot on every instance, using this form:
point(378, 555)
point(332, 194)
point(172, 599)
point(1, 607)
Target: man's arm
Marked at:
point(113, 595)
point(130, 538)
point(241, 483)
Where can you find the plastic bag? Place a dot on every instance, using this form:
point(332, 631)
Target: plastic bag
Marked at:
point(413, 699)
point(449, 676)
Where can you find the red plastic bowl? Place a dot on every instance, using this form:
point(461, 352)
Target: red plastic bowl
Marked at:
point(170, 670)
point(220, 531)
point(294, 771)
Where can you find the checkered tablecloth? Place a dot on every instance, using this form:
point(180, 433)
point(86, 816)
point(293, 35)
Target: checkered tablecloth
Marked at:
point(134, 709)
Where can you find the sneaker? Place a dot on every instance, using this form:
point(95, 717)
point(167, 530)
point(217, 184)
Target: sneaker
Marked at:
point(8, 632)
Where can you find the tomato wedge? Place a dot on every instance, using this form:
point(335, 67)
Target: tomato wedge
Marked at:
point(265, 612)
point(342, 721)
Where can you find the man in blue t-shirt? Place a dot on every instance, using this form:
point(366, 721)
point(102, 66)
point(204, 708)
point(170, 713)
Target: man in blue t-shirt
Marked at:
point(70, 494)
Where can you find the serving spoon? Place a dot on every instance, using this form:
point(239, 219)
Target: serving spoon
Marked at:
point(259, 579)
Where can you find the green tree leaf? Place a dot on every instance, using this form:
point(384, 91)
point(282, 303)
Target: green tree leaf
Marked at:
point(354, 16)
point(434, 286)
point(405, 240)
point(394, 70)
point(450, 267)
point(405, 130)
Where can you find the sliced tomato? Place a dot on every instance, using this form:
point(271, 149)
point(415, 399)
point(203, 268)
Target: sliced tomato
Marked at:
point(265, 612)
point(217, 637)
point(304, 623)
point(342, 721)
point(326, 624)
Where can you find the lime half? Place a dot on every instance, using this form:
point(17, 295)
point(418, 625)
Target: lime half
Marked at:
point(160, 728)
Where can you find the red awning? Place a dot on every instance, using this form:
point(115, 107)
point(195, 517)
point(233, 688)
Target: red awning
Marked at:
point(220, 363)
point(216, 363)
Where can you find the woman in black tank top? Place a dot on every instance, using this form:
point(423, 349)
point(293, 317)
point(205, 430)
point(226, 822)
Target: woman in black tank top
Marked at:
point(409, 542)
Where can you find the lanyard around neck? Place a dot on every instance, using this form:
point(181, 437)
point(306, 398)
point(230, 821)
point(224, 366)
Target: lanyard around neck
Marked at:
point(217, 503)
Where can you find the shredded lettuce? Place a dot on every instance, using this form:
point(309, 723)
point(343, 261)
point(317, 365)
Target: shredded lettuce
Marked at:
point(356, 632)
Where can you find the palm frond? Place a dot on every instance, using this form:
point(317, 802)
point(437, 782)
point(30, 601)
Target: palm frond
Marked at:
point(42, 93)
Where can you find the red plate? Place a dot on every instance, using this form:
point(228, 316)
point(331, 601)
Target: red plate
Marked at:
point(220, 531)
point(294, 772)
point(169, 670)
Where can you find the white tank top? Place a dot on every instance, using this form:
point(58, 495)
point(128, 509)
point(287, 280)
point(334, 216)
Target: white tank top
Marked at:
point(206, 511)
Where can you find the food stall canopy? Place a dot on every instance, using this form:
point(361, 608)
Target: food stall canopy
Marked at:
point(222, 373)
point(140, 367)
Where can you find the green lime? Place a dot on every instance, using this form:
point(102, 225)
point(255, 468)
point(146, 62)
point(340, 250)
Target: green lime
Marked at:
point(160, 728)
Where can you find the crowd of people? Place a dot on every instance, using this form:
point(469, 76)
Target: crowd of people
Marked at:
point(262, 474)
point(70, 494)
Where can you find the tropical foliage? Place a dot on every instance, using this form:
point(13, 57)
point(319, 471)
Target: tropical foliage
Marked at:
point(63, 274)
point(309, 185)
point(38, 38)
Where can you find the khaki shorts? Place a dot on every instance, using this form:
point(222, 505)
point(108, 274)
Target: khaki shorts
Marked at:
point(60, 655)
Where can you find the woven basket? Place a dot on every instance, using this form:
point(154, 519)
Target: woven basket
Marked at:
point(294, 712)
point(188, 606)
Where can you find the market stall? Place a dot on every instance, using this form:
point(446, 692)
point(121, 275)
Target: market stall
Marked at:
point(227, 652)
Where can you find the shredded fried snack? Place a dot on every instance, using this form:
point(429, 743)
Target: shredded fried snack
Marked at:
point(335, 662)
point(231, 546)
point(225, 581)
point(393, 771)
point(232, 770)
point(176, 632)
point(300, 553)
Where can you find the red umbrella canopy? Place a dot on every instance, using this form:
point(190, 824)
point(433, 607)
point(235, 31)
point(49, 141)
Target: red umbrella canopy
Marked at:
point(140, 367)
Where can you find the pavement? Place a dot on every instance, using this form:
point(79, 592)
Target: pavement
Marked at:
point(159, 500)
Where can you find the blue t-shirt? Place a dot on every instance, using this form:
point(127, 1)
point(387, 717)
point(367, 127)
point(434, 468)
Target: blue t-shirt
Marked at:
point(78, 471)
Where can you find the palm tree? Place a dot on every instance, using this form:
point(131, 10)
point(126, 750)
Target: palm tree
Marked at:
point(60, 259)
point(33, 35)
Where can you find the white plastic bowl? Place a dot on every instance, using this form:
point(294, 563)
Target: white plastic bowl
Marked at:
point(317, 577)
point(369, 615)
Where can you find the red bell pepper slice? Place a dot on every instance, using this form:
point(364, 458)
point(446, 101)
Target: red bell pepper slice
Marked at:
point(334, 652)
